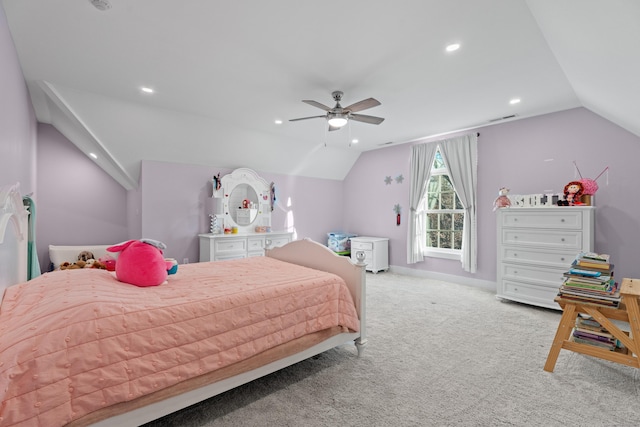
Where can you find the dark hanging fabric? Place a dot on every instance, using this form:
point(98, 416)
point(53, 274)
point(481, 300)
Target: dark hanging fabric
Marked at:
point(33, 265)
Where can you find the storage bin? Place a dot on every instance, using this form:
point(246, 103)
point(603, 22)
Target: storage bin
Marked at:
point(340, 242)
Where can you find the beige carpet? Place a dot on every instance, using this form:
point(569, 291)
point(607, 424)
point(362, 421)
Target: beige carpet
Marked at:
point(439, 354)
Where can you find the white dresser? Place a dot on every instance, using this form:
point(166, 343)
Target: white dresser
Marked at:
point(536, 246)
point(217, 247)
point(376, 252)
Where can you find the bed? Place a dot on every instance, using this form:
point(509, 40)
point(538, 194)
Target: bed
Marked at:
point(79, 348)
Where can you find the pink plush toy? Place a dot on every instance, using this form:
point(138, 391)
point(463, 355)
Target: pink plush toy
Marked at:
point(141, 262)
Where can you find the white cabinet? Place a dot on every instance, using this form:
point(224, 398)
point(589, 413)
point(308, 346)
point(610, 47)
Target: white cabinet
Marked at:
point(536, 246)
point(376, 251)
point(217, 247)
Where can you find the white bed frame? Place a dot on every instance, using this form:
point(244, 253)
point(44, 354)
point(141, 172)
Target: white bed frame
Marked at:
point(13, 253)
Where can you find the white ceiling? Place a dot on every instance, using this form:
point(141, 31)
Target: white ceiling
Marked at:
point(223, 71)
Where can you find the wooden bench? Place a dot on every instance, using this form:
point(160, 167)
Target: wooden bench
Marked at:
point(628, 311)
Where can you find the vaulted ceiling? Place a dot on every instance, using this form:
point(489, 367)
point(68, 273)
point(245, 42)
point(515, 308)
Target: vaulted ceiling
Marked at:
point(223, 72)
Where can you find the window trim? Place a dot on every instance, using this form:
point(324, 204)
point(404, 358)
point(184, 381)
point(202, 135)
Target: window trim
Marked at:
point(428, 251)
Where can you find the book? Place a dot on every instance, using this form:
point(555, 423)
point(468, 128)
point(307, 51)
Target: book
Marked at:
point(576, 278)
point(607, 346)
point(585, 334)
point(583, 263)
point(594, 332)
point(586, 300)
point(588, 273)
point(592, 256)
point(604, 268)
point(604, 286)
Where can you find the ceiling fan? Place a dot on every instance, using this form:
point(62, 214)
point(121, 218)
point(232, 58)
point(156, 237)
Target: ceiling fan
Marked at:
point(338, 116)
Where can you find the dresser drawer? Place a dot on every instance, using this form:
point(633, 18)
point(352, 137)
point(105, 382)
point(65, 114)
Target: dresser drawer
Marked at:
point(548, 276)
point(562, 218)
point(560, 259)
point(255, 244)
point(361, 246)
point(541, 295)
point(231, 245)
point(559, 239)
point(276, 242)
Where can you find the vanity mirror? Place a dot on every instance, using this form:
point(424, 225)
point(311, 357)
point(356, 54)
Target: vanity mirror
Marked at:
point(245, 200)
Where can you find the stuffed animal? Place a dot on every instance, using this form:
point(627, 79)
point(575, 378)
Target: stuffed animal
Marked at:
point(85, 256)
point(141, 262)
point(72, 265)
point(502, 201)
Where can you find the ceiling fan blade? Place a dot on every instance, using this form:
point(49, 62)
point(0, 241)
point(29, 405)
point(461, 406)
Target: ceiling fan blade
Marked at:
point(306, 118)
point(363, 105)
point(316, 104)
point(366, 119)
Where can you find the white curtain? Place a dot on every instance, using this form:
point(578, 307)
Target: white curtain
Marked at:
point(422, 158)
point(460, 156)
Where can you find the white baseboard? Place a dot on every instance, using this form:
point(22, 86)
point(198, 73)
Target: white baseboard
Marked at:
point(468, 281)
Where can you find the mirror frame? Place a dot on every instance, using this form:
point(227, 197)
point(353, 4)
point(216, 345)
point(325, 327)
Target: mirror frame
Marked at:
point(263, 191)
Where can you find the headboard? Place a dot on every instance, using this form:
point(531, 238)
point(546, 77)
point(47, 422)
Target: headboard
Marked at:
point(13, 237)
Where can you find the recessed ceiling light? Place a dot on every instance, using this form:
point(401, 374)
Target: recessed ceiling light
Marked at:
point(354, 141)
point(146, 89)
point(453, 47)
point(514, 101)
point(278, 122)
point(93, 155)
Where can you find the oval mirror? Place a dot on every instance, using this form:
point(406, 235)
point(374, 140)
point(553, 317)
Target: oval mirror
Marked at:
point(243, 204)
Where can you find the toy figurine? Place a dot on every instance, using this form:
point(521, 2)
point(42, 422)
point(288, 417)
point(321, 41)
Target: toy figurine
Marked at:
point(572, 193)
point(502, 201)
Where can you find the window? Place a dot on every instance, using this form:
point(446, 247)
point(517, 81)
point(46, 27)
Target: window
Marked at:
point(444, 214)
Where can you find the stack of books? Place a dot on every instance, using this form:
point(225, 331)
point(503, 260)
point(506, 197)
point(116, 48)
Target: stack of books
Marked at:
point(590, 281)
point(588, 331)
point(594, 262)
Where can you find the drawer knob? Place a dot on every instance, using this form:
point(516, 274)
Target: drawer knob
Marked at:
point(561, 258)
point(562, 220)
point(562, 239)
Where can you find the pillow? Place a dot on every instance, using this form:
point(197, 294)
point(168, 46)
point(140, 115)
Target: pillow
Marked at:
point(59, 254)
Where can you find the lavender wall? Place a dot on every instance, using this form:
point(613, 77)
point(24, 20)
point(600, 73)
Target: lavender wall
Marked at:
point(17, 119)
point(78, 203)
point(176, 203)
point(528, 156)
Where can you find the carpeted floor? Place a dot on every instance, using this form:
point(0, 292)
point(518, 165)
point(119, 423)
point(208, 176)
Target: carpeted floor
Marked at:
point(439, 354)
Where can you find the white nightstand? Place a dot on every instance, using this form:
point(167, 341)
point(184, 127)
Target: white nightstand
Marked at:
point(376, 252)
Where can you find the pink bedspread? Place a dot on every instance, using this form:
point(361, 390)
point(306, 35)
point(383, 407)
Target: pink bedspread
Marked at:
point(75, 341)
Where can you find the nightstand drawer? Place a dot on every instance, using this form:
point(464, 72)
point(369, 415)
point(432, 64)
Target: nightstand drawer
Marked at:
point(361, 246)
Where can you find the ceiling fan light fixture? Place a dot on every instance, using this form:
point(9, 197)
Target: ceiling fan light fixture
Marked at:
point(338, 120)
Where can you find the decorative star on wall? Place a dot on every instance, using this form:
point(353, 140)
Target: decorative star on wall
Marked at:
point(399, 179)
point(388, 180)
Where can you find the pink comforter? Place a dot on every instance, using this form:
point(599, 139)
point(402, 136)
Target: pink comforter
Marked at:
point(75, 341)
